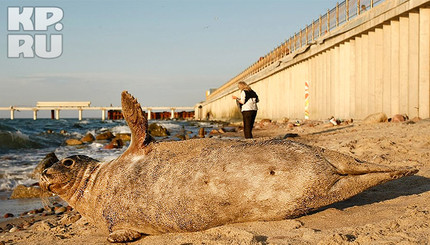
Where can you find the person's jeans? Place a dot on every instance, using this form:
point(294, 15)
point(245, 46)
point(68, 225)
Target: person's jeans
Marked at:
point(248, 122)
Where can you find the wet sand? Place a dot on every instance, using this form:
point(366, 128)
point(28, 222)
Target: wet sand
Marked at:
point(397, 212)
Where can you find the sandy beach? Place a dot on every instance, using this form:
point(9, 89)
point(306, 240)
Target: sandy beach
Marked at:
point(397, 212)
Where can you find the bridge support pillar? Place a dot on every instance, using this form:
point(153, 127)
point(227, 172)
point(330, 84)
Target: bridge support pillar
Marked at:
point(57, 114)
point(149, 114)
point(34, 114)
point(172, 113)
point(80, 114)
point(12, 114)
point(103, 114)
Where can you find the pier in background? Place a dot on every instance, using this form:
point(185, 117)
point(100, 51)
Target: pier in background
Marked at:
point(114, 112)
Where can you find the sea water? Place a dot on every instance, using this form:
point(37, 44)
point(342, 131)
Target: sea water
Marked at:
point(24, 142)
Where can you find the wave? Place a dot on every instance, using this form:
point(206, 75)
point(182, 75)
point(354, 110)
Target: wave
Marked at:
point(16, 140)
point(9, 184)
point(170, 126)
point(6, 128)
point(24, 142)
point(121, 129)
point(13, 177)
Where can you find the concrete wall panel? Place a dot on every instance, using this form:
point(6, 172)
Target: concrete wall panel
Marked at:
point(424, 63)
point(381, 64)
point(413, 64)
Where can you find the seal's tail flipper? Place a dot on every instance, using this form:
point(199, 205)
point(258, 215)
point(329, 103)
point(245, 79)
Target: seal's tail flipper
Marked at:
point(347, 165)
point(358, 183)
point(136, 121)
point(357, 176)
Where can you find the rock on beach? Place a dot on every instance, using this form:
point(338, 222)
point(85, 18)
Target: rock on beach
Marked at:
point(22, 191)
point(88, 138)
point(73, 142)
point(376, 118)
point(157, 130)
point(123, 136)
point(8, 215)
point(114, 144)
point(105, 136)
point(399, 118)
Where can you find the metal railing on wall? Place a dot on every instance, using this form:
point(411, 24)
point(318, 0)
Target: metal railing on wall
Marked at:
point(332, 19)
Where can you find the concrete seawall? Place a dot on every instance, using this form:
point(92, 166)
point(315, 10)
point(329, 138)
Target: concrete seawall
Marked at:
point(377, 62)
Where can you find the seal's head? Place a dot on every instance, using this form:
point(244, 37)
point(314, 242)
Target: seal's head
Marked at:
point(61, 177)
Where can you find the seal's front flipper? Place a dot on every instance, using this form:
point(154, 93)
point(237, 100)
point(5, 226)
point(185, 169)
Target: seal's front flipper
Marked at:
point(124, 236)
point(136, 121)
point(45, 163)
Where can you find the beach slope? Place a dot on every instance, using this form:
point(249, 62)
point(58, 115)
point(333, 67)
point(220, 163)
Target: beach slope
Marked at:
point(392, 213)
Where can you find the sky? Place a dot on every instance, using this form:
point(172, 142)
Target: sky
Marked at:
point(164, 52)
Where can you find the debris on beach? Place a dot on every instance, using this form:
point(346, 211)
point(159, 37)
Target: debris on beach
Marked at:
point(334, 121)
point(290, 125)
point(290, 135)
point(264, 122)
point(416, 119)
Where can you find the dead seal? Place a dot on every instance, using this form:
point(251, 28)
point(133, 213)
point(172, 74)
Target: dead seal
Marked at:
point(193, 185)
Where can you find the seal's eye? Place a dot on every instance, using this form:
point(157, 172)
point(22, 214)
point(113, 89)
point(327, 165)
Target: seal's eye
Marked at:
point(68, 162)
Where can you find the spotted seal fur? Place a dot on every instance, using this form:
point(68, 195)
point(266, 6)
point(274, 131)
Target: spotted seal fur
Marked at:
point(192, 185)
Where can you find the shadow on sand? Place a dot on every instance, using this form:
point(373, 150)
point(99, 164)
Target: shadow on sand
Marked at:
point(332, 130)
point(405, 186)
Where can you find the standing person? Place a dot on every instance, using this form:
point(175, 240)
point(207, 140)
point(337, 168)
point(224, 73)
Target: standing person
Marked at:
point(248, 105)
